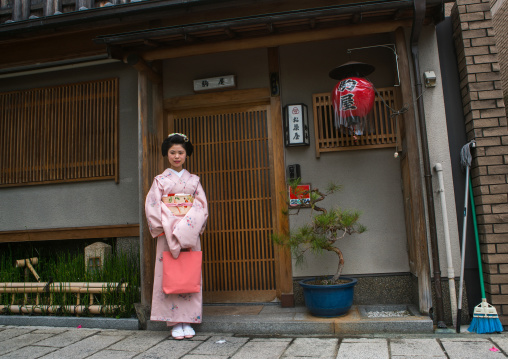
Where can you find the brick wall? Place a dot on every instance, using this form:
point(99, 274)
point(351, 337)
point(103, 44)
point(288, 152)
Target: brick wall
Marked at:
point(499, 11)
point(485, 118)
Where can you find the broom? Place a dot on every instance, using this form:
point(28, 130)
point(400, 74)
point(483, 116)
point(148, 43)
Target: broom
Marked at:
point(485, 319)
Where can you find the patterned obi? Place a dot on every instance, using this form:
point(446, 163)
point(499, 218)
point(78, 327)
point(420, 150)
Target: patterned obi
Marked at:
point(178, 203)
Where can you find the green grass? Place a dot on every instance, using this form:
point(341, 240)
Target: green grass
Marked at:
point(70, 267)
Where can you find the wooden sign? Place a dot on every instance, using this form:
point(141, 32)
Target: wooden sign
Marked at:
point(215, 83)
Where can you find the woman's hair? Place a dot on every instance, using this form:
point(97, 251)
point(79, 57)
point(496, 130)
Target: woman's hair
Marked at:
point(176, 139)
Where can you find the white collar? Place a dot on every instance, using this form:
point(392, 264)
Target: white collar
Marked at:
point(179, 174)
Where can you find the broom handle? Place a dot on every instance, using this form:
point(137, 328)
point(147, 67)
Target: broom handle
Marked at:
point(463, 259)
point(473, 211)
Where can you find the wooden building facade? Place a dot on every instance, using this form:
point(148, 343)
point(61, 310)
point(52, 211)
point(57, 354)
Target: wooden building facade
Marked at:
point(130, 68)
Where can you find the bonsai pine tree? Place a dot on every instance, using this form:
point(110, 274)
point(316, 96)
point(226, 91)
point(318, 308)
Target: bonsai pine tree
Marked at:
point(325, 228)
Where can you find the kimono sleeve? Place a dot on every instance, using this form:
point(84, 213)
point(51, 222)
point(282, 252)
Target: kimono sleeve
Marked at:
point(187, 231)
point(153, 209)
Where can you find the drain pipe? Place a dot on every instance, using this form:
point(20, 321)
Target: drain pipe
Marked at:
point(419, 16)
point(451, 274)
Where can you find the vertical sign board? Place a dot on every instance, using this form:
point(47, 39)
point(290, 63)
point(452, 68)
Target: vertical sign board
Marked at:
point(296, 125)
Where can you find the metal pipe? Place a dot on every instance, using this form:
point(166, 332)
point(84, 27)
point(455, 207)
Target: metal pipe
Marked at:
point(419, 17)
point(451, 273)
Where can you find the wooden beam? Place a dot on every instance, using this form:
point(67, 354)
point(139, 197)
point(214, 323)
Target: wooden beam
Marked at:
point(283, 262)
point(139, 64)
point(216, 99)
point(274, 40)
point(414, 206)
point(32, 235)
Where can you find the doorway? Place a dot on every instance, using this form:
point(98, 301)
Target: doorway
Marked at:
point(232, 158)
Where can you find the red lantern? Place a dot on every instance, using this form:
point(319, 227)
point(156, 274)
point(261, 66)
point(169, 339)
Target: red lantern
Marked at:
point(352, 99)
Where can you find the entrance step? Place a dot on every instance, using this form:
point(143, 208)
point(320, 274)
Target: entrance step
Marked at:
point(270, 319)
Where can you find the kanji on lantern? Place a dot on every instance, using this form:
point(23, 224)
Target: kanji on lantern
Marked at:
point(353, 99)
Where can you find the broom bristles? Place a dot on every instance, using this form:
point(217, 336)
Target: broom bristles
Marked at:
point(485, 319)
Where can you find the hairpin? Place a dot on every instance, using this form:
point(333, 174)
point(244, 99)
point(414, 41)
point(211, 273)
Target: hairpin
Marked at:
point(179, 134)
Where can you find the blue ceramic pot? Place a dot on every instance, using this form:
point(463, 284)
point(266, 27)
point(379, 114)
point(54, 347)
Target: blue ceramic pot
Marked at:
point(328, 300)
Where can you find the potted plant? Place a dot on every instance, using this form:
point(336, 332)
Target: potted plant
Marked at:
point(329, 296)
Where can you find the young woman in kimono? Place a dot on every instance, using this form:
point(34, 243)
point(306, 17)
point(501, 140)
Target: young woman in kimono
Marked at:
point(177, 227)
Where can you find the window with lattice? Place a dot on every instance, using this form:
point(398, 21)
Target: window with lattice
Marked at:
point(382, 128)
point(59, 134)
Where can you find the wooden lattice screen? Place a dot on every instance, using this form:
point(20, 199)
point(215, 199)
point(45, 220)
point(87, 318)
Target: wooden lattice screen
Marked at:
point(383, 130)
point(59, 134)
point(232, 159)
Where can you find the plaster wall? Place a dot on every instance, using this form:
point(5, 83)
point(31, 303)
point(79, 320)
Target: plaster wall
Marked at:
point(439, 151)
point(80, 204)
point(249, 66)
point(371, 179)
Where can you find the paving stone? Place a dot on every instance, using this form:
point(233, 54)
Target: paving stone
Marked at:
point(67, 338)
point(469, 349)
point(261, 350)
point(215, 346)
point(410, 348)
point(365, 349)
point(169, 349)
point(287, 340)
point(9, 333)
point(364, 340)
point(48, 330)
point(312, 347)
point(192, 356)
point(141, 341)
point(28, 352)
point(24, 340)
point(113, 354)
point(85, 347)
point(501, 342)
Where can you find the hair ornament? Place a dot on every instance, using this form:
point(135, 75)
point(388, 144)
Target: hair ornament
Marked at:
point(185, 138)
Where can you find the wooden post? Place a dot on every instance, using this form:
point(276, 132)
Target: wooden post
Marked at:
point(150, 138)
point(283, 264)
point(413, 191)
point(146, 241)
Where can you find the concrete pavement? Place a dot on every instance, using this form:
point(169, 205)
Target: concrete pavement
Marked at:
point(54, 342)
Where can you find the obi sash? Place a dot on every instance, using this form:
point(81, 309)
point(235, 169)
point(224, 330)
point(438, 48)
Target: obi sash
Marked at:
point(178, 203)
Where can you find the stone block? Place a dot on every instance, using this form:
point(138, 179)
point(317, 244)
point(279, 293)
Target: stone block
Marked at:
point(489, 249)
point(499, 299)
point(488, 141)
point(467, 17)
point(491, 112)
point(480, 50)
point(501, 188)
point(482, 41)
point(492, 199)
point(489, 160)
point(497, 278)
point(500, 208)
point(313, 347)
point(482, 7)
point(481, 86)
point(495, 170)
point(471, 34)
point(494, 131)
point(474, 69)
point(488, 76)
point(493, 94)
point(488, 180)
point(501, 228)
point(485, 123)
point(496, 67)
point(483, 104)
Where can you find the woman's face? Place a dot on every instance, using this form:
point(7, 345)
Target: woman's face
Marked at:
point(176, 157)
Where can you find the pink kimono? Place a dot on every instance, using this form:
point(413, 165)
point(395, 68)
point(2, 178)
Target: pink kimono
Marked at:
point(173, 233)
